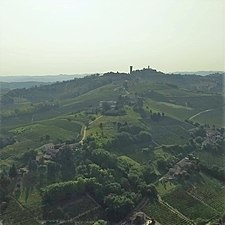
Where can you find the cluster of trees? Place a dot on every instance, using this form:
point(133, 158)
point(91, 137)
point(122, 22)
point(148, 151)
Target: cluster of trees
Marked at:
point(130, 134)
point(70, 189)
point(112, 108)
point(199, 132)
point(214, 142)
point(156, 116)
point(33, 108)
point(126, 139)
point(213, 171)
point(4, 187)
point(178, 150)
point(6, 100)
point(7, 185)
point(217, 146)
point(115, 184)
point(6, 140)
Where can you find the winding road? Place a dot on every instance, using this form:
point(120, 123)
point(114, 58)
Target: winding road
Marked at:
point(197, 114)
point(85, 130)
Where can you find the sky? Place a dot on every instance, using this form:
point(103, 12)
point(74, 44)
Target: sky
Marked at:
point(40, 37)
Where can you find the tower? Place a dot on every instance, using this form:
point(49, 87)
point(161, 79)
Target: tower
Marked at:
point(131, 69)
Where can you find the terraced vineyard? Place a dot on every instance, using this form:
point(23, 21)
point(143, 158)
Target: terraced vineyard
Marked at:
point(212, 192)
point(34, 135)
point(16, 214)
point(30, 212)
point(211, 159)
point(163, 215)
point(189, 206)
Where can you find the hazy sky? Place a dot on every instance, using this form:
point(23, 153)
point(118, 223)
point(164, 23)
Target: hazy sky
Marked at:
point(83, 36)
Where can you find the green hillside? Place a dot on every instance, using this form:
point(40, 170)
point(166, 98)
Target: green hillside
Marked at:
point(104, 147)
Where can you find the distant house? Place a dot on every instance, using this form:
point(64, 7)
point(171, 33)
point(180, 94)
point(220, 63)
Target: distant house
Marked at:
point(48, 146)
point(47, 157)
point(111, 104)
point(50, 151)
point(140, 218)
point(182, 168)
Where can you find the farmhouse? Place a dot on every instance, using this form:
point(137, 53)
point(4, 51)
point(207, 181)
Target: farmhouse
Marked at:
point(140, 218)
point(110, 104)
point(183, 167)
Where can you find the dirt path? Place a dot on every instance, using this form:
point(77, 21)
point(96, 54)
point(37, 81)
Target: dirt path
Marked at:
point(85, 130)
point(197, 114)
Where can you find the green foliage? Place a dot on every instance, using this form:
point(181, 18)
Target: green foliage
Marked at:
point(103, 158)
point(53, 172)
point(118, 206)
point(13, 171)
point(100, 222)
point(66, 159)
point(118, 162)
point(4, 186)
point(66, 190)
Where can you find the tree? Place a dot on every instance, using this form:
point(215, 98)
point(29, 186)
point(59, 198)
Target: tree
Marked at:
point(13, 171)
point(7, 99)
point(150, 191)
point(33, 166)
point(52, 171)
point(66, 159)
point(103, 158)
point(27, 156)
point(101, 127)
point(118, 206)
point(106, 106)
point(144, 136)
point(4, 186)
point(100, 222)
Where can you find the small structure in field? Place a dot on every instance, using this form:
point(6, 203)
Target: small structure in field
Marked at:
point(140, 218)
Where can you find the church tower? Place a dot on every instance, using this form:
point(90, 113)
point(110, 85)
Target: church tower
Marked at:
point(131, 69)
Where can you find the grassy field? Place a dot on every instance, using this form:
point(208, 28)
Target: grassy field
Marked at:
point(169, 131)
point(169, 134)
point(174, 110)
point(214, 117)
point(109, 124)
point(34, 135)
point(165, 188)
point(107, 92)
point(184, 107)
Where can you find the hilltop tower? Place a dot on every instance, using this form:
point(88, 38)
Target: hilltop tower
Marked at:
point(131, 69)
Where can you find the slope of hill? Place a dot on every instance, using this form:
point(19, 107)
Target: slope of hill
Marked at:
point(100, 147)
